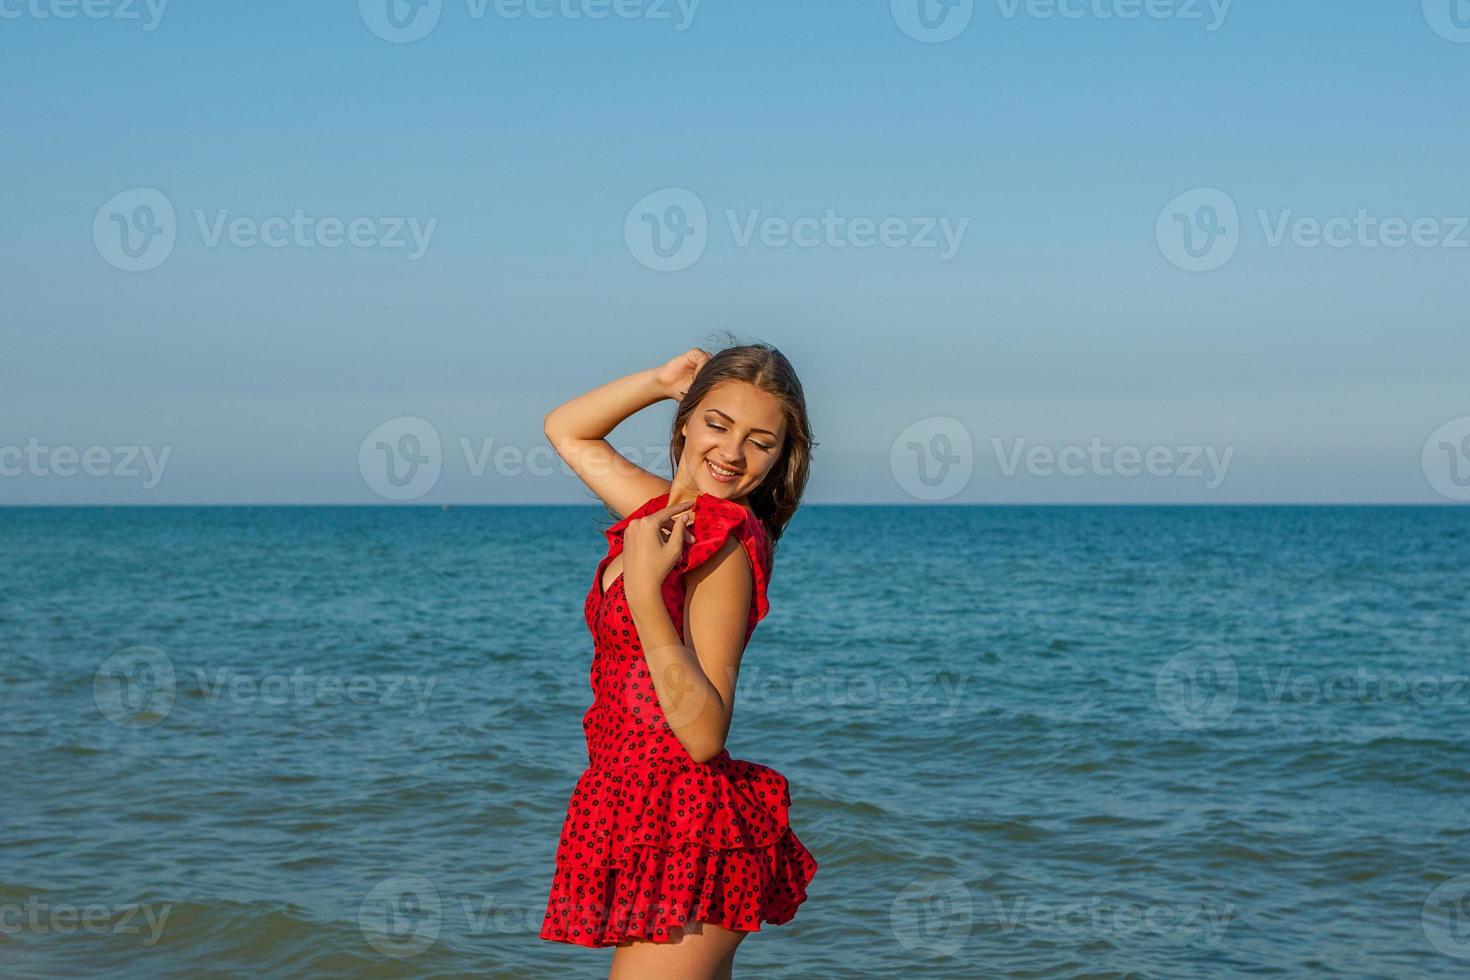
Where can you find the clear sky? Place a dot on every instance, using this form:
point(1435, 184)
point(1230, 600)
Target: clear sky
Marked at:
point(1091, 287)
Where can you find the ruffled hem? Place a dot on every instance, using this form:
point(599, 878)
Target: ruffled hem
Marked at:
point(616, 813)
point(664, 890)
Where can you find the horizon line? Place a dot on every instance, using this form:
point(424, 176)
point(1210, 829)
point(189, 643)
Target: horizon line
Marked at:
point(483, 505)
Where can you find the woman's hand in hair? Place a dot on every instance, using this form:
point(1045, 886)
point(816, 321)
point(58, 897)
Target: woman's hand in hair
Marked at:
point(675, 377)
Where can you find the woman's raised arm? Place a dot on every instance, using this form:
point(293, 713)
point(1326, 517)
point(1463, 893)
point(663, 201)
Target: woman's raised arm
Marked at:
point(577, 430)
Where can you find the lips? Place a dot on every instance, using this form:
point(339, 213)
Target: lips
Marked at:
point(720, 474)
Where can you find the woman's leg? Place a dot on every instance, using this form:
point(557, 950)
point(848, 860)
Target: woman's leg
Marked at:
point(702, 951)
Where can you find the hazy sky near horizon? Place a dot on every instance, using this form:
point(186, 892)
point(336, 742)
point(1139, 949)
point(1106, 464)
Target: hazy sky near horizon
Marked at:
point(1219, 247)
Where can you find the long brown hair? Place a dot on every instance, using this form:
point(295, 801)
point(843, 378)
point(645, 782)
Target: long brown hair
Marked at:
point(779, 494)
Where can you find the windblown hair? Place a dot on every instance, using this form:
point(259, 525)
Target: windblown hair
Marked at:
point(776, 499)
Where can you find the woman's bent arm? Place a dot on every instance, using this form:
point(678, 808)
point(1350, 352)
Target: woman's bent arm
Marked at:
point(577, 431)
point(695, 680)
point(578, 428)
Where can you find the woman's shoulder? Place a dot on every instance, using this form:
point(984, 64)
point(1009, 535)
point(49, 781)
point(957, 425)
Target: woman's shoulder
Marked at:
point(647, 507)
point(623, 494)
point(723, 524)
point(718, 519)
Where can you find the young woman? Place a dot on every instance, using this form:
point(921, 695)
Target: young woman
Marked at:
point(672, 851)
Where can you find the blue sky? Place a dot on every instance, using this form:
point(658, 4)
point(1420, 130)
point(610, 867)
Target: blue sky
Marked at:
point(519, 146)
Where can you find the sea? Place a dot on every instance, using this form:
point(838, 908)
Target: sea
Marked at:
point(1020, 741)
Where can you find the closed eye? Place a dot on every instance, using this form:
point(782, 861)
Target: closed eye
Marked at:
point(759, 445)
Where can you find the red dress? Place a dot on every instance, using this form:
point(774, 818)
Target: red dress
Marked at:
point(652, 839)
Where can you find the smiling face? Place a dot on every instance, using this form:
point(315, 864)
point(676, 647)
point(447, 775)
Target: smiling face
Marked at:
point(732, 439)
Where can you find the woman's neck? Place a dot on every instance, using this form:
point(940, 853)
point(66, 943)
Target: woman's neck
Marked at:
point(680, 491)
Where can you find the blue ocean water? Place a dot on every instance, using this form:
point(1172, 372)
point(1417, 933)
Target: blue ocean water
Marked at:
point(1151, 742)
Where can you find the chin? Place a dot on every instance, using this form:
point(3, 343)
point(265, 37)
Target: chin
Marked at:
point(706, 483)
